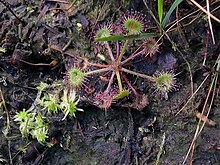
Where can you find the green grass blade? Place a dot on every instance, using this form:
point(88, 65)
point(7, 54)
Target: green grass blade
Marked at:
point(160, 10)
point(124, 37)
point(172, 8)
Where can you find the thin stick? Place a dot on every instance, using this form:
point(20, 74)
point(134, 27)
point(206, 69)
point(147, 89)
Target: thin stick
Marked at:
point(68, 44)
point(60, 1)
point(201, 8)
point(210, 106)
point(210, 23)
point(198, 129)
point(7, 126)
point(137, 74)
point(30, 63)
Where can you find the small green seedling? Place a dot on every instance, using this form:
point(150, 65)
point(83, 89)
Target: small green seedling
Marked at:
point(50, 102)
point(69, 103)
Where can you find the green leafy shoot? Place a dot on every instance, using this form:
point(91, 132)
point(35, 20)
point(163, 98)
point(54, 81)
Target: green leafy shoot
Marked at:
point(170, 11)
point(32, 124)
point(26, 122)
point(21, 116)
point(41, 134)
point(39, 121)
point(69, 103)
point(127, 37)
point(160, 10)
point(50, 102)
point(122, 94)
point(42, 86)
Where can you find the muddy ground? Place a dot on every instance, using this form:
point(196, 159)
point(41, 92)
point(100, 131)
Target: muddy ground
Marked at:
point(31, 52)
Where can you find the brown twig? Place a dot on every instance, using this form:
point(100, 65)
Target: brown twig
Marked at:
point(39, 64)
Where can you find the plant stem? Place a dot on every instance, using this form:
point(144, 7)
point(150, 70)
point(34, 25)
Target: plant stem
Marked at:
point(122, 51)
point(129, 84)
point(98, 65)
point(119, 81)
point(110, 82)
point(109, 51)
point(161, 149)
point(117, 49)
point(218, 65)
point(132, 57)
point(138, 74)
point(98, 71)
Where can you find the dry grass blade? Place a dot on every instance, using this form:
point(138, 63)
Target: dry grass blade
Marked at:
point(192, 95)
point(199, 129)
point(210, 23)
point(205, 11)
point(212, 89)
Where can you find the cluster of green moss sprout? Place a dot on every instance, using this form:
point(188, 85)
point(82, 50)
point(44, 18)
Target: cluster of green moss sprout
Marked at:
point(33, 120)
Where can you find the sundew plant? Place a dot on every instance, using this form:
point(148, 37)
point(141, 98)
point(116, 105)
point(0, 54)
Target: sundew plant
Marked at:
point(114, 71)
